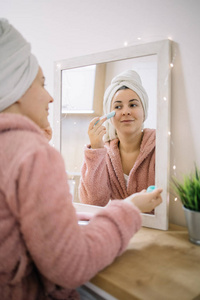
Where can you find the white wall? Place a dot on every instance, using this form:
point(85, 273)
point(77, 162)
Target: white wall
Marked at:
point(59, 29)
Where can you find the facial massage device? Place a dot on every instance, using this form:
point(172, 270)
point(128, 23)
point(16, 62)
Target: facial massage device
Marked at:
point(151, 188)
point(108, 116)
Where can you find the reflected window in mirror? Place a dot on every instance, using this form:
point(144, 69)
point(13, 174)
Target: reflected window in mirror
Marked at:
point(78, 89)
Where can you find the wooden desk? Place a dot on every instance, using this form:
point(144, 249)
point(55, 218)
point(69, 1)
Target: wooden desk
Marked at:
point(158, 265)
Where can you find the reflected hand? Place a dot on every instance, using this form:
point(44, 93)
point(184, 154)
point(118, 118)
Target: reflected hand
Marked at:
point(146, 202)
point(96, 133)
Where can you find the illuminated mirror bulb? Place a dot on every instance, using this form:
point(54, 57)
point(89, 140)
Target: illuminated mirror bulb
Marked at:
point(175, 199)
point(125, 44)
point(174, 167)
point(169, 133)
point(171, 65)
point(164, 98)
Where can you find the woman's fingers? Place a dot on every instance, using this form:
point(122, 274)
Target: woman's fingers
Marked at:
point(94, 126)
point(146, 202)
point(92, 122)
point(156, 197)
point(96, 132)
point(156, 193)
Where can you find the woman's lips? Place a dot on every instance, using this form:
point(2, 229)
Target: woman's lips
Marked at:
point(127, 121)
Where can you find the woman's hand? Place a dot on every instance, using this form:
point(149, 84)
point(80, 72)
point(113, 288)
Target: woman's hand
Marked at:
point(146, 202)
point(96, 133)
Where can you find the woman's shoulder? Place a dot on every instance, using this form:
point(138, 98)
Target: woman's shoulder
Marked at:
point(19, 125)
point(23, 134)
point(149, 133)
point(149, 138)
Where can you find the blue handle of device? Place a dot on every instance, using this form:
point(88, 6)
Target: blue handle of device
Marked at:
point(151, 188)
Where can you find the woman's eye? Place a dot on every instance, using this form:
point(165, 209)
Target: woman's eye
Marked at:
point(117, 107)
point(133, 105)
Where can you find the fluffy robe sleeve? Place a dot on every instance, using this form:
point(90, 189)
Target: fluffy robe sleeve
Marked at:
point(64, 252)
point(94, 177)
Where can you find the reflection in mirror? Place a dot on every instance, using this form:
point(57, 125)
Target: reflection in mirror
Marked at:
point(71, 119)
point(146, 68)
point(125, 164)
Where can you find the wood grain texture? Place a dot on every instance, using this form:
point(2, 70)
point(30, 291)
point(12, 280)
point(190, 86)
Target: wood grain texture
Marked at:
point(157, 265)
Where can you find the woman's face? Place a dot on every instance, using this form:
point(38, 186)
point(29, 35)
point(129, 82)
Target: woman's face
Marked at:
point(35, 102)
point(129, 115)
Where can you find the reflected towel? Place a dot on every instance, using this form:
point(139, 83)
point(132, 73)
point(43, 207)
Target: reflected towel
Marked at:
point(131, 80)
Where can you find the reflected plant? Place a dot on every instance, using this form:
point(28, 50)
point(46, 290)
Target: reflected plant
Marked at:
point(189, 190)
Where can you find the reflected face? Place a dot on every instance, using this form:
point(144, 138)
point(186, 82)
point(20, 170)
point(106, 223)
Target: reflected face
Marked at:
point(35, 102)
point(129, 116)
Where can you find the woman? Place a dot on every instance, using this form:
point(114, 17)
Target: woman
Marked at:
point(125, 163)
point(44, 252)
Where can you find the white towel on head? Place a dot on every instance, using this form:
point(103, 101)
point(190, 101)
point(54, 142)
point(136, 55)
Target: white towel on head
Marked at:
point(131, 80)
point(18, 67)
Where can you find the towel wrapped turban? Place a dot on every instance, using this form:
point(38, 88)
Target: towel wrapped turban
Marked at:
point(18, 67)
point(131, 80)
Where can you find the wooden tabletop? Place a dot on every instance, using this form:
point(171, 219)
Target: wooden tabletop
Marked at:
point(157, 265)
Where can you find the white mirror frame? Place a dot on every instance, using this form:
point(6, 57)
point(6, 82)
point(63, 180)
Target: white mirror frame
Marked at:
point(163, 51)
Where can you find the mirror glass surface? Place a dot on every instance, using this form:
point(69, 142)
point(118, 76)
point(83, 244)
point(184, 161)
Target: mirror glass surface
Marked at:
point(79, 88)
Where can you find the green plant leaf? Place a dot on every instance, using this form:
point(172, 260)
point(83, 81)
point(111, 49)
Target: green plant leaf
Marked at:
point(189, 190)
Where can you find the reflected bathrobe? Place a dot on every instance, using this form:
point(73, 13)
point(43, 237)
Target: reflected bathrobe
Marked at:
point(102, 177)
point(44, 253)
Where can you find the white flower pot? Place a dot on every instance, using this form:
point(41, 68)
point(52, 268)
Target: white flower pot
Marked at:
point(193, 225)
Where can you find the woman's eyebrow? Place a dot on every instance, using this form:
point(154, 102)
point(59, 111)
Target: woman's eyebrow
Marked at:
point(131, 100)
point(117, 101)
point(134, 100)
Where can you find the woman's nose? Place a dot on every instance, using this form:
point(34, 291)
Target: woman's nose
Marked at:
point(51, 99)
point(126, 111)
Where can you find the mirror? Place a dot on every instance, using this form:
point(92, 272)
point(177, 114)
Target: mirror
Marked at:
point(71, 120)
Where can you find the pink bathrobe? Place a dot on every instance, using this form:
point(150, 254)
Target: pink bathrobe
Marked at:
point(102, 175)
point(44, 253)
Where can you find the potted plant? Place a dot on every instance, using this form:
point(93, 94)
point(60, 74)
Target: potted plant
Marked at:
point(189, 194)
